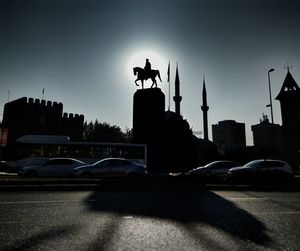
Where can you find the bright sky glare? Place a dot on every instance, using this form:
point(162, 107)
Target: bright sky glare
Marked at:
point(83, 51)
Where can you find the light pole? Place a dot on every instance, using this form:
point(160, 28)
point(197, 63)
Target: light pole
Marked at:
point(270, 105)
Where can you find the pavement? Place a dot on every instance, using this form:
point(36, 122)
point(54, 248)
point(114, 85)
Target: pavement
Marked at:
point(150, 219)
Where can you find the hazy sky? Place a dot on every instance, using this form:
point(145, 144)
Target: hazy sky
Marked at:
point(82, 53)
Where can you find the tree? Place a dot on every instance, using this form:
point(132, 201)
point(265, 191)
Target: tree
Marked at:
point(128, 135)
point(104, 132)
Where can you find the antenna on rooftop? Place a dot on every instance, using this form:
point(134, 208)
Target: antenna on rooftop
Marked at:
point(288, 67)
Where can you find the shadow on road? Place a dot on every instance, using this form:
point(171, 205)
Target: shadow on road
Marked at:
point(187, 208)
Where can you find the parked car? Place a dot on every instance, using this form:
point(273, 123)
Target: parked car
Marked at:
point(4, 167)
point(16, 165)
point(55, 167)
point(111, 167)
point(214, 170)
point(262, 169)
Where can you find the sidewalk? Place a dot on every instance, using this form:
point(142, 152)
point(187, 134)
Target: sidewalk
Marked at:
point(6, 175)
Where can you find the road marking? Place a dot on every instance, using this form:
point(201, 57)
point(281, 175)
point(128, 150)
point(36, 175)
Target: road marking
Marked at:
point(246, 198)
point(275, 213)
point(127, 217)
point(42, 201)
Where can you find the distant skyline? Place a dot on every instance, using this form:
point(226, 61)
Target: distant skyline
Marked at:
point(82, 53)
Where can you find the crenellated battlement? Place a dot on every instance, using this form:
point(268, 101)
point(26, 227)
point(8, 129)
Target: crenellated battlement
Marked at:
point(31, 101)
point(40, 102)
point(35, 116)
point(72, 116)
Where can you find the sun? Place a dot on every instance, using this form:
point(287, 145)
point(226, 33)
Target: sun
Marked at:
point(138, 59)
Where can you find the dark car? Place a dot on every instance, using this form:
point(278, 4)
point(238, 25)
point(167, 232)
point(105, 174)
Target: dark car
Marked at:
point(264, 169)
point(216, 170)
point(111, 167)
point(4, 167)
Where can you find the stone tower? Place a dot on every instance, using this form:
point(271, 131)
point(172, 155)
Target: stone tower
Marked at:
point(289, 98)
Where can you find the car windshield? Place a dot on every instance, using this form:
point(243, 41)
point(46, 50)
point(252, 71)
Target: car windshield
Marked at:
point(98, 163)
point(114, 162)
point(211, 164)
point(253, 163)
point(219, 164)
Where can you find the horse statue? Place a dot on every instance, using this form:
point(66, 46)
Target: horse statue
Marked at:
point(143, 75)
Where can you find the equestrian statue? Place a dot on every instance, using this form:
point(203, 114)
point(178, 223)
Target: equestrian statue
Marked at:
point(146, 73)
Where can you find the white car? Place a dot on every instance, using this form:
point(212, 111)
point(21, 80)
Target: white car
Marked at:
point(264, 168)
point(55, 167)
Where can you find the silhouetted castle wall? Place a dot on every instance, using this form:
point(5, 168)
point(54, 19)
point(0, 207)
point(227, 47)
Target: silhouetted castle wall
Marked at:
point(33, 116)
point(72, 126)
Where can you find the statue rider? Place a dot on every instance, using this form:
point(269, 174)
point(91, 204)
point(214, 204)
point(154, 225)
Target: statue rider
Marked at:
point(147, 67)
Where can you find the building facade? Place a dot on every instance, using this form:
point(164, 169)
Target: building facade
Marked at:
point(267, 137)
point(229, 136)
point(289, 98)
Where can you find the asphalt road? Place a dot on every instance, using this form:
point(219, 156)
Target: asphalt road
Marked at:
point(170, 219)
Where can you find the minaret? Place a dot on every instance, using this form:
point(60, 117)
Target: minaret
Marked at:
point(177, 98)
point(204, 108)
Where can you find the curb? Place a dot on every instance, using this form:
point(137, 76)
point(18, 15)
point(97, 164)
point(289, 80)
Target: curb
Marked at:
point(154, 183)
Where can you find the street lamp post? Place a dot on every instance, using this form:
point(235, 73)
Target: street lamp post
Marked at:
point(270, 105)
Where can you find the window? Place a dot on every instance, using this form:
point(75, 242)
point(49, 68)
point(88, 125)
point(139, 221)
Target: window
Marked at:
point(254, 163)
point(116, 163)
point(123, 163)
point(275, 163)
point(60, 162)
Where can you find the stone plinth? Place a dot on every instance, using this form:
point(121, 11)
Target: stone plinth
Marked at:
point(148, 123)
point(148, 115)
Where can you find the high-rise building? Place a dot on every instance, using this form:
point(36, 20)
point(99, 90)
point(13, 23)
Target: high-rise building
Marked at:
point(267, 137)
point(229, 136)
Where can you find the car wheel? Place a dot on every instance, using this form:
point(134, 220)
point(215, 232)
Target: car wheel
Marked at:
point(31, 174)
point(132, 176)
point(86, 175)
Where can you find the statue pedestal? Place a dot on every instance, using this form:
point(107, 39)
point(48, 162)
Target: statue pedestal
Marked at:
point(148, 115)
point(148, 121)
